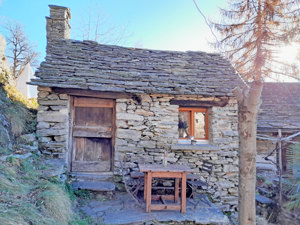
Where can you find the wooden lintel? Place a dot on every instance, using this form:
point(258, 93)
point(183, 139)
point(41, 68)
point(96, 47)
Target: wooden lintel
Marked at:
point(196, 103)
point(89, 93)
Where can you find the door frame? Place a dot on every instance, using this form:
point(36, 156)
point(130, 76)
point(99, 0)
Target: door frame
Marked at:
point(70, 135)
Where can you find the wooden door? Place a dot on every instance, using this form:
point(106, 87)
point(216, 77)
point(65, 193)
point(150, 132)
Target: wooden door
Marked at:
point(93, 121)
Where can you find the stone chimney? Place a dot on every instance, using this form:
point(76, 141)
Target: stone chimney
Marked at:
point(58, 23)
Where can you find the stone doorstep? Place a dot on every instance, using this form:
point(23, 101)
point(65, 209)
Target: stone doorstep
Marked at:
point(94, 186)
point(94, 177)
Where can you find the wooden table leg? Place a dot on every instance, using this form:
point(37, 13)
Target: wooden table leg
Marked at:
point(148, 192)
point(176, 197)
point(145, 186)
point(183, 192)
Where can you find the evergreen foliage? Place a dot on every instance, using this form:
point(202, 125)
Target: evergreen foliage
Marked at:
point(253, 30)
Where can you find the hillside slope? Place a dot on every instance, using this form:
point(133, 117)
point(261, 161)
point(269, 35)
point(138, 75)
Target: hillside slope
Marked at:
point(29, 194)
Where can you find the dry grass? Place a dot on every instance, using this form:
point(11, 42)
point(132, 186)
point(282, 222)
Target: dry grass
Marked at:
point(25, 198)
point(56, 203)
point(20, 118)
point(16, 96)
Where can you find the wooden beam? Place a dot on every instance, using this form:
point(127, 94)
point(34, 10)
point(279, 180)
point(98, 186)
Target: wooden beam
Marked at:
point(89, 93)
point(196, 103)
point(165, 207)
point(100, 132)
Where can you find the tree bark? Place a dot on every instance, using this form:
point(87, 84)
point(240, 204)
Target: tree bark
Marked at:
point(249, 101)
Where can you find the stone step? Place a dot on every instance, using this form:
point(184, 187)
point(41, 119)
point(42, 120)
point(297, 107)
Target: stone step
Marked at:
point(103, 186)
point(94, 177)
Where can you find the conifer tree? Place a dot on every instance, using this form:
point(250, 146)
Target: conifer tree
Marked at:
point(251, 31)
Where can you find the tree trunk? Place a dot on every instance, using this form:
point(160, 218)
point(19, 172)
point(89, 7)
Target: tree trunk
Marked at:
point(249, 101)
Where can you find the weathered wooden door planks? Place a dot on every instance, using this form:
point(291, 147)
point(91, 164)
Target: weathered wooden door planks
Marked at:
point(92, 134)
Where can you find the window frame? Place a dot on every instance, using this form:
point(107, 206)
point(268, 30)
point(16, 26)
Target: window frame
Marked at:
point(191, 122)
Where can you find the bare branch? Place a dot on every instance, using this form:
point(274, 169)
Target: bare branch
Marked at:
point(20, 51)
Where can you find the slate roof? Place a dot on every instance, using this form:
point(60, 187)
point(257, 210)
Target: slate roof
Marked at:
point(280, 108)
point(89, 65)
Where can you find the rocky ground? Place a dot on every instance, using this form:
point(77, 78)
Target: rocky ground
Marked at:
point(122, 209)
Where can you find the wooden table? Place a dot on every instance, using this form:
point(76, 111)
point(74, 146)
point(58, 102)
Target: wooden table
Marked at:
point(170, 171)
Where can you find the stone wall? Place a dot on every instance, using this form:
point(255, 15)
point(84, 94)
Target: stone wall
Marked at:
point(147, 129)
point(53, 122)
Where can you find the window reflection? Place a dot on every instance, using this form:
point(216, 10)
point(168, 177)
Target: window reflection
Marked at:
point(200, 126)
point(183, 124)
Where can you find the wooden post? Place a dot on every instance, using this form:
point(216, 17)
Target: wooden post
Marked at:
point(280, 166)
point(183, 192)
point(176, 198)
point(145, 186)
point(148, 191)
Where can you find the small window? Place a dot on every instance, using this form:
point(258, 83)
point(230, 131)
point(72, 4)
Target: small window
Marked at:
point(193, 122)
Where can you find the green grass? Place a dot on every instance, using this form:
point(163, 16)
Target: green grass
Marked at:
point(83, 194)
point(78, 221)
point(27, 198)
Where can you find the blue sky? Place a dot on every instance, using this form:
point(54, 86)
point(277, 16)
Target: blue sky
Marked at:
point(153, 24)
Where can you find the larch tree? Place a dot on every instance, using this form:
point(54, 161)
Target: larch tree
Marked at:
point(251, 31)
point(20, 51)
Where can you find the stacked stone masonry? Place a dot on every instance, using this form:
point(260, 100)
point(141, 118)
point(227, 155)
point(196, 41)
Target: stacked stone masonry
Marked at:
point(146, 129)
point(58, 23)
point(53, 122)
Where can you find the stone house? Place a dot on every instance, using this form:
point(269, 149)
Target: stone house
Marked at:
point(280, 109)
point(28, 91)
point(106, 108)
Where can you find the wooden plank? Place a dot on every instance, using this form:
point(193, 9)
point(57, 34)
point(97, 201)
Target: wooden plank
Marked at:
point(145, 186)
point(176, 194)
point(79, 148)
point(83, 166)
point(166, 174)
point(196, 103)
point(183, 192)
point(99, 117)
point(162, 188)
point(165, 207)
point(70, 153)
point(92, 102)
point(100, 132)
point(80, 116)
point(113, 138)
point(92, 151)
point(88, 93)
point(106, 149)
point(93, 117)
point(166, 197)
point(148, 192)
point(161, 168)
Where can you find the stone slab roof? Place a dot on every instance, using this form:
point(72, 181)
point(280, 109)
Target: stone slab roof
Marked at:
point(280, 108)
point(93, 66)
